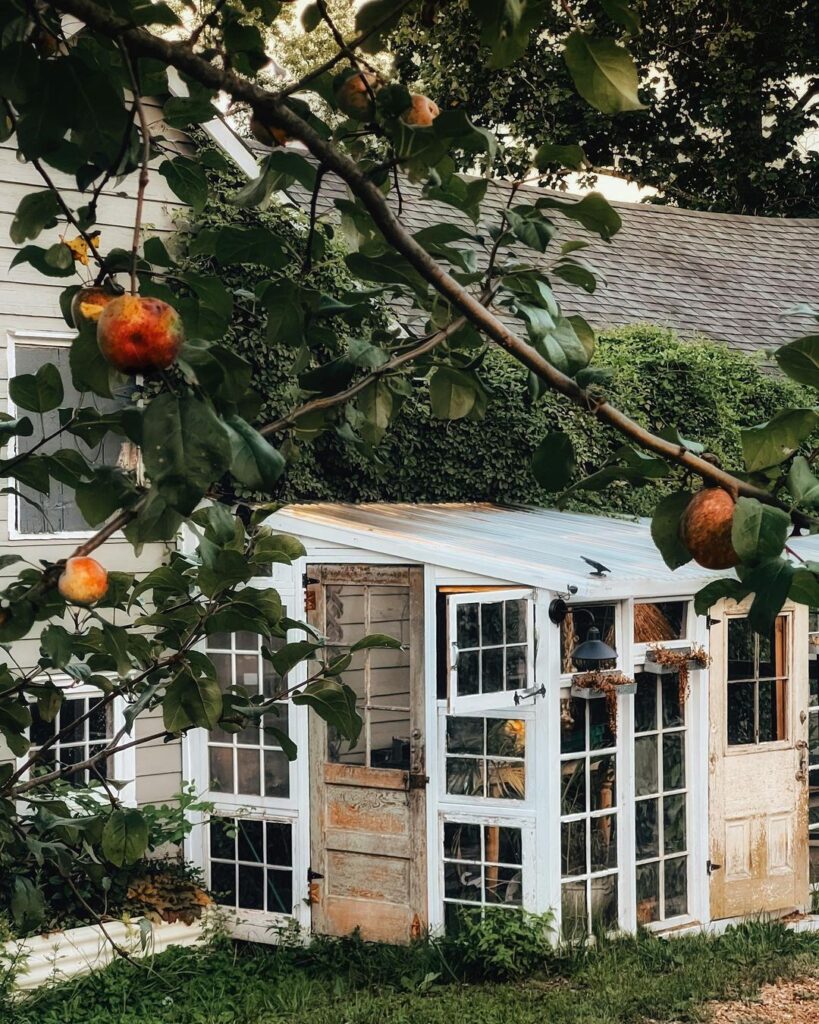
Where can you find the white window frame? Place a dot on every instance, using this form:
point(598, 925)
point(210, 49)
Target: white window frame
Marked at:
point(504, 699)
point(124, 761)
point(43, 339)
point(685, 641)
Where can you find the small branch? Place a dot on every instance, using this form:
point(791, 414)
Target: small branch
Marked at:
point(144, 177)
point(15, 460)
point(308, 254)
point(209, 20)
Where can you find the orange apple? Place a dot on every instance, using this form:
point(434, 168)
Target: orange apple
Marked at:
point(83, 580)
point(139, 335)
point(353, 95)
point(422, 112)
point(89, 302)
point(268, 134)
point(705, 528)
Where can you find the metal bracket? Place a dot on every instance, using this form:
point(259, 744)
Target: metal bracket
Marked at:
point(307, 581)
point(711, 867)
point(534, 693)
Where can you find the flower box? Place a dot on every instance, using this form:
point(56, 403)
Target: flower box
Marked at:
point(656, 668)
point(626, 689)
point(58, 956)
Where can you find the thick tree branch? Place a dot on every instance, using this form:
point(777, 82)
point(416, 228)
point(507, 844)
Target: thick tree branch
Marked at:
point(272, 110)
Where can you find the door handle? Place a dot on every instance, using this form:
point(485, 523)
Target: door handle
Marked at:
point(802, 773)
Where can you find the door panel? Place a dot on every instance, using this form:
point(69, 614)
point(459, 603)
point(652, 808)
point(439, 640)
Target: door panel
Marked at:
point(757, 790)
point(368, 804)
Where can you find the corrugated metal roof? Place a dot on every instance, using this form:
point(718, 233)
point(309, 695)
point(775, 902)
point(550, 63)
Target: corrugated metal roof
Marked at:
point(529, 546)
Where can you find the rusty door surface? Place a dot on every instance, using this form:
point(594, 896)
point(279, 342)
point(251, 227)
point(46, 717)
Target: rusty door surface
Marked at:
point(367, 841)
point(758, 764)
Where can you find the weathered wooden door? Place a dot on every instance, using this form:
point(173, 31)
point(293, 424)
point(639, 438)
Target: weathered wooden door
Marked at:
point(758, 764)
point(367, 843)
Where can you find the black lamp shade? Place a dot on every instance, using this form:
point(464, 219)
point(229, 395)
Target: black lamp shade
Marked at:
point(593, 654)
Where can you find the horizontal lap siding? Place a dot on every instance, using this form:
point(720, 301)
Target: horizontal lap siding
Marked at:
point(30, 302)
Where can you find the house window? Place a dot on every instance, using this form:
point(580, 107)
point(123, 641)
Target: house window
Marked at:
point(251, 864)
point(588, 819)
point(486, 757)
point(575, 627)
point(757, 682)
point(483, 867)
point(55, 512)
point(660, 621)
point(661, 802)
point(86, 726)
point(813, 744)
point(250, 762)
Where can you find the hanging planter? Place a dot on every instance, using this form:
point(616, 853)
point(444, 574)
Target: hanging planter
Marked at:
point(610, 685)
point(661, 661)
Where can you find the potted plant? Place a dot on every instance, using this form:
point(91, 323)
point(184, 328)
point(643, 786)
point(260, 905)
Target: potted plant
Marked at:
point(661, 661)
point(608, 684)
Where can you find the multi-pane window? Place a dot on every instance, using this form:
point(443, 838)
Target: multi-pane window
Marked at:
point(575, 627)
point(813, 744)
point(757, 682)
point(86, 727)
point(486, 757)
point(660, 810)
point(250, 762)
point(380, 678)
point(483, 867)
point(251, 864)
point(57, 511)
point(588, 819)
point(660, 621)
point(492, 642)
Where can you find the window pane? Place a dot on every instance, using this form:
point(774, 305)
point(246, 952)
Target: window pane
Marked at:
point(648, 893)
point(389, 739)
point(602, 780)
point(572, 725)
point(463, 882)
point(251, 887)
point(248, 771)
point(673, 761)
point(646, 778)
point(505, 780)
point(276, 774)
point(492, 670)
point(279, 843)
point(465, 776)
point(575, 627)
point(741, 712)
point(461, 841)
point(676, 886)
point(573, 847)
point(280, 892)
point(674, 840)
point(741, 647)
point(465, 735)
point(508, 844)
point(645, 703)
point(600, 734)
point(468, 673)
point(505, 736)
point(223, 883)
point(516, 668)
point(466, 621)
point(222, 839)
point(491, 624)
point(515, 621)
point(573, 795)
point(673, 709)
point(221, 769)
point(604, 903)
point(659, 620)
point(502, 885)
point(647, 827)
point(770, 727)
point(574, 915)
point(603, 842)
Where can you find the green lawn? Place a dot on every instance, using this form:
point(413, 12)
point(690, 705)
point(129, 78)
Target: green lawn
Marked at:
point(623, 980)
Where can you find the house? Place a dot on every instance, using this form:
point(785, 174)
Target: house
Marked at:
point(483, 776)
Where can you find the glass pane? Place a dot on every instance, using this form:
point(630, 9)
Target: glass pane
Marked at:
point(648, 893)
point(813, 671)
point(573, 788)
point(673, 760)
point(100, 721)
point(573, 847)
point(505, 780)
point(740, 712)
point(466, 621)
point(248, 771)
point(71, 728)
point(223, 883)
point(276, 774)
point(673, 710)
point(814, 859)
point(251, 887)
point(647, 828)
point(280, 892)
point(247, 672)
point(468, 673)
point(390, 739)
point(574, 916)
point(465, 776)
point(247, 641)
point(221, 769)
point(770, 726)
point(676, 886)
point(222, 840)
point(600, 735)
point(278, 844)
point(492, 669)
point(276, 719)
point(339, 750)
point(603, 842)
point(41, 731)
point(344, 613)
point(506, 737)
point(219, 641)
point(645, 703)
point(503, 885)
point(646, 778)
point(515, 621)
point(508, 844)
point(767, 651)
point(491, 624)
point(813, 798)
point(516, 669)
point(463, 881)
point(674, 840)
point(659, 620)
point(461, 841)
point(575, 627)
point(741, 648)
point(603, 793)
point(465, 735)
point(249, 840)
point(572, 725)
point(604, 903)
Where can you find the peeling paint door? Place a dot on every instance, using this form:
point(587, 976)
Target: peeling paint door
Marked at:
point(757, 764)
point(368, 862)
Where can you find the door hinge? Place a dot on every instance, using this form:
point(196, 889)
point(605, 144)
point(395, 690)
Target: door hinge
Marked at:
point(712, 622)
point(307, 581)
point(711, 867)
point(417, 780)
point(314, 876)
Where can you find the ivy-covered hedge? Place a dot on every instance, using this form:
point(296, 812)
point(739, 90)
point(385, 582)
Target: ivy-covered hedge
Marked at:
point(708, 391)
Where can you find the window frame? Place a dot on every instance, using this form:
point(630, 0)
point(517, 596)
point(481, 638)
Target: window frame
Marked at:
point(639, 650)
point(813, 769)
point(473, 704)
point(780, 743)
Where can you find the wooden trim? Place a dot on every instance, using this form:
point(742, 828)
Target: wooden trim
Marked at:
point(361, 775)
point(781, 669)
point(351, 575)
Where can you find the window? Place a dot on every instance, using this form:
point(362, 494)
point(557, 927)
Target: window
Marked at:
point(588, 816)
point(483, 867)
point(55, 512)
point(575, 627)
point(88, 726)
point(380, 678)
point(486, 757)
point(661, 804)
point(813, 744)
point(250, 762)
point(491, 648)
point(757, 682)
point(251, 864)
point(660, 621)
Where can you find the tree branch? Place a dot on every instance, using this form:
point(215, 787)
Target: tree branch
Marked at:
point(142, 183)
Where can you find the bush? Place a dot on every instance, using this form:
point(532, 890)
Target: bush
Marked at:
point(499, 946)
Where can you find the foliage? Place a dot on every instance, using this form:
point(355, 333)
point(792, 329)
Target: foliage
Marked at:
point(729, 91)
point(620, 981)
point(499, 946)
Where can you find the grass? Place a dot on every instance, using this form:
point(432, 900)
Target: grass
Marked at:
point(629, 979)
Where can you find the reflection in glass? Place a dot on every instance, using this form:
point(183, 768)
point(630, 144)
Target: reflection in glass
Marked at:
point(576, 625)
point(646, 776)
point(574, 915)
point(647, 828)
point(648, 892)
point(573, 847)
point(657, 621)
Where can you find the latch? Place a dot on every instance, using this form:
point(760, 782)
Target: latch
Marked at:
point(309, 595)
point(802, 772)
point(711, 867)
point(417, 780)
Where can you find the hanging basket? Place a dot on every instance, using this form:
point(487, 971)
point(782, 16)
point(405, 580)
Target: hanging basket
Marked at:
point(591, 685)
point(660, 661)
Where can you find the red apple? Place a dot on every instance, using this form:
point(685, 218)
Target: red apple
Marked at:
point(83, 580)
point(139, 335)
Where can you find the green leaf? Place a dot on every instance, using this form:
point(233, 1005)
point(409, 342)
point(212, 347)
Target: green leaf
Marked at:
point(802, 483)
point(190, 701)
point(593, 211)
point(603, 72)
point(27, 904)
point(530, 226)
point(181, 111)
point(253, 460)
point(311, 17)
point(758, 532)
point(376, 12)
point(804, 588)
point(292, 654)
point(376, 640)
point(570, 155)
point(452, 393)
point(770, 582)
point(553, 462)
point(35, 212)
point(39, 258)
point(57, 644)
point(90, 371)
point(11, 426)
point(715, 591)
point(277, 171)
point(620, 12)
point(375, 404)
point(37, 392)
point(665, 529)
point(769, 444)
point(186, 179)
point(125, 836)
point(800, 360)
point(335, 703)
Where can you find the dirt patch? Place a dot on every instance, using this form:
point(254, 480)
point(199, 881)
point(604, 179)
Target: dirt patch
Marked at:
point(783, 1002)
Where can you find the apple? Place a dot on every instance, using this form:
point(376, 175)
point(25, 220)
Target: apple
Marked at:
point(268, 134)
point(353, 95)
point(139, 335)
point(705, 528)
point(422, 112)
point(83, 580)
point(89, 302)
